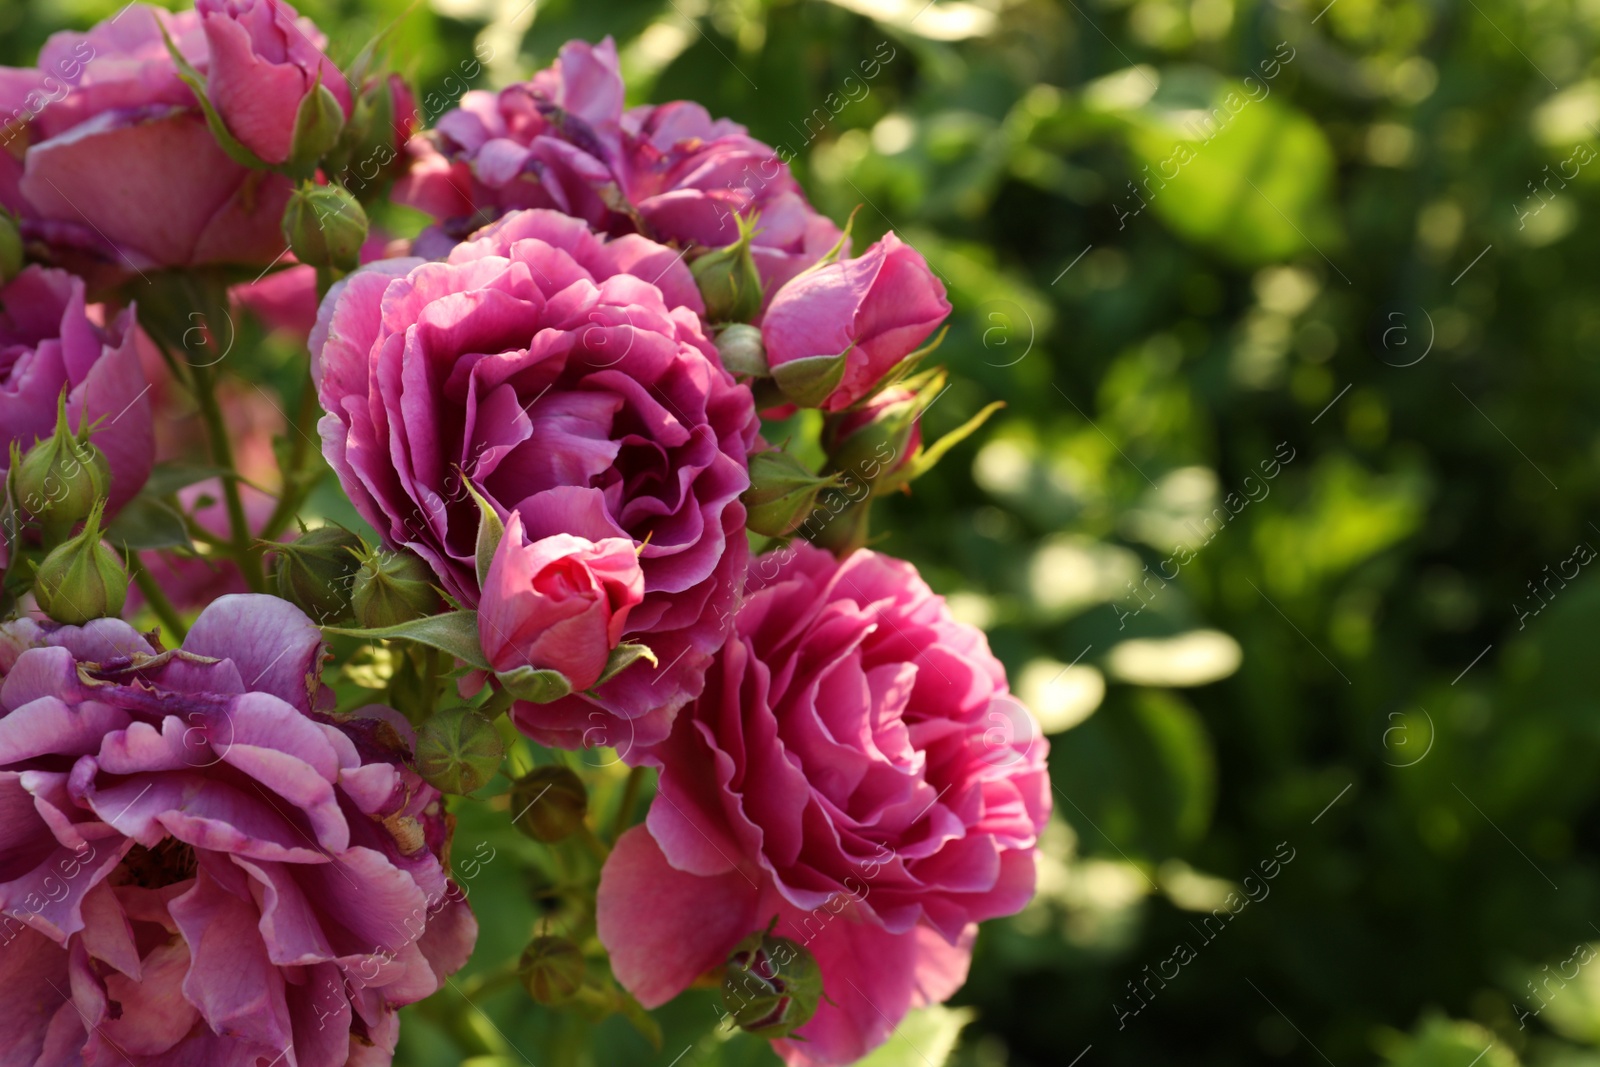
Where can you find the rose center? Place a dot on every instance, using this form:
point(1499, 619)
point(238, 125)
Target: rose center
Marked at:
point(168, 863)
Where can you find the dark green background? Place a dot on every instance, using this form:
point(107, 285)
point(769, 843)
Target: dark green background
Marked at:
point(1369, 203)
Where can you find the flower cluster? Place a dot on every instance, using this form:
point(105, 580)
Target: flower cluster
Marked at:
point(544, 413)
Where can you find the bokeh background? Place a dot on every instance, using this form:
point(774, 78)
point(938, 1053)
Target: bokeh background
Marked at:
point(1283, 531)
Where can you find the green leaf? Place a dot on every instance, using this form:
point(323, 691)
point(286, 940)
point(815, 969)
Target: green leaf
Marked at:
point(167, 478)
point(455, 632)
point(924, 1038)
point(219, 129)
point(148, 522)
point(622, 657)
point(533, 684)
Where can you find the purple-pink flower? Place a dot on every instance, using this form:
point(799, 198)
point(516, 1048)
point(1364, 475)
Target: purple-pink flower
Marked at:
point(559, 603)
point(562, 140)
point(51, 340)
point(874, 310)
point(197, 867)
point(855, 767)
point(108, 156)
point(566, 378)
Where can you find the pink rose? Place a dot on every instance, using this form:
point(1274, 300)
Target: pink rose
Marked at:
point(562, 140)
point(108, 156)
point(264, 61)
point(567, 378)
point(873, 310)
point(855, 767)
point(50, 340)
point(198, 867)
point(559, 603)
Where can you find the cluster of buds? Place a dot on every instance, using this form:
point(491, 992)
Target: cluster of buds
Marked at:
point(59, 482)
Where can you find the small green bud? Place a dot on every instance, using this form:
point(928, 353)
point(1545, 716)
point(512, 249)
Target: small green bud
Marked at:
point(392, 588)
point(782, 492)
point(871, 443)
point(325, 227)
point(82, 579)
point(728, 279)
point(458, 750)
point(57, 481)
point(739, 345)
point(10, 247)
point(550, 803)
point(770, 985)
point(316, 571)
point(317, 125)
point(552, 969)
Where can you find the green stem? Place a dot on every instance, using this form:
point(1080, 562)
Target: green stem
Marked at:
point(296, 486)
point(591, 841)
point(630, 797)
point(158, 601)
point(245, 554)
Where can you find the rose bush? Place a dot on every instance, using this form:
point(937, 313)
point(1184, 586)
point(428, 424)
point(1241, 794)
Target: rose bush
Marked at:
point(196, 866)
point(566, 378)
point(51, 340)
point(562, 140)
point(854, 767)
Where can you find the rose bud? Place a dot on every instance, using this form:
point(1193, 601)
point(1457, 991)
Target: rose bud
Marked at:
point(82, 579)
point(770, 985)
point(552, 969)
point(558, 604)
point(10, 247)
point(551, 803)
point(782, 492)
point(316, 571)
point(58, 481)
point(458, 750)
point(325, 227)
point(835, 331)
point(728, 280)
point(267, 78)
point(879, 442)
point(739, 345)
point(392, 588)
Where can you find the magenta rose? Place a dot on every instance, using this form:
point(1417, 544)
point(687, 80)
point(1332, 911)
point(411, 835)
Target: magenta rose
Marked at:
point(562, 140)
point(567, 379)
point(559, 603)
point(854, 767)
point(108, 154)
point(51, 340)
point(196, 867)
point(873, 310)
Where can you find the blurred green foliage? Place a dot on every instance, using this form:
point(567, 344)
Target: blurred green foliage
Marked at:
point(1190, 242)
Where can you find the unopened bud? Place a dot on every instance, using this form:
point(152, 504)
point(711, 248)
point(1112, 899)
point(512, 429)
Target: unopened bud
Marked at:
point(550, 803)
point(728, 279)
point(57, 482)
point(877, 439)
point(458, 750)
point(82, 579)
point(770, 985)
point(739, 345)
point(10, 247)
point(316, 570)
point(325, 227)
point(552, 969)
point(781, 494)
point(392, 588)
point(317, 125)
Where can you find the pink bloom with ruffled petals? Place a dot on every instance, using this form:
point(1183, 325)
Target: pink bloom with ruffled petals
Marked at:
point(195, 865)
point(855, 767)
point(567, 378)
